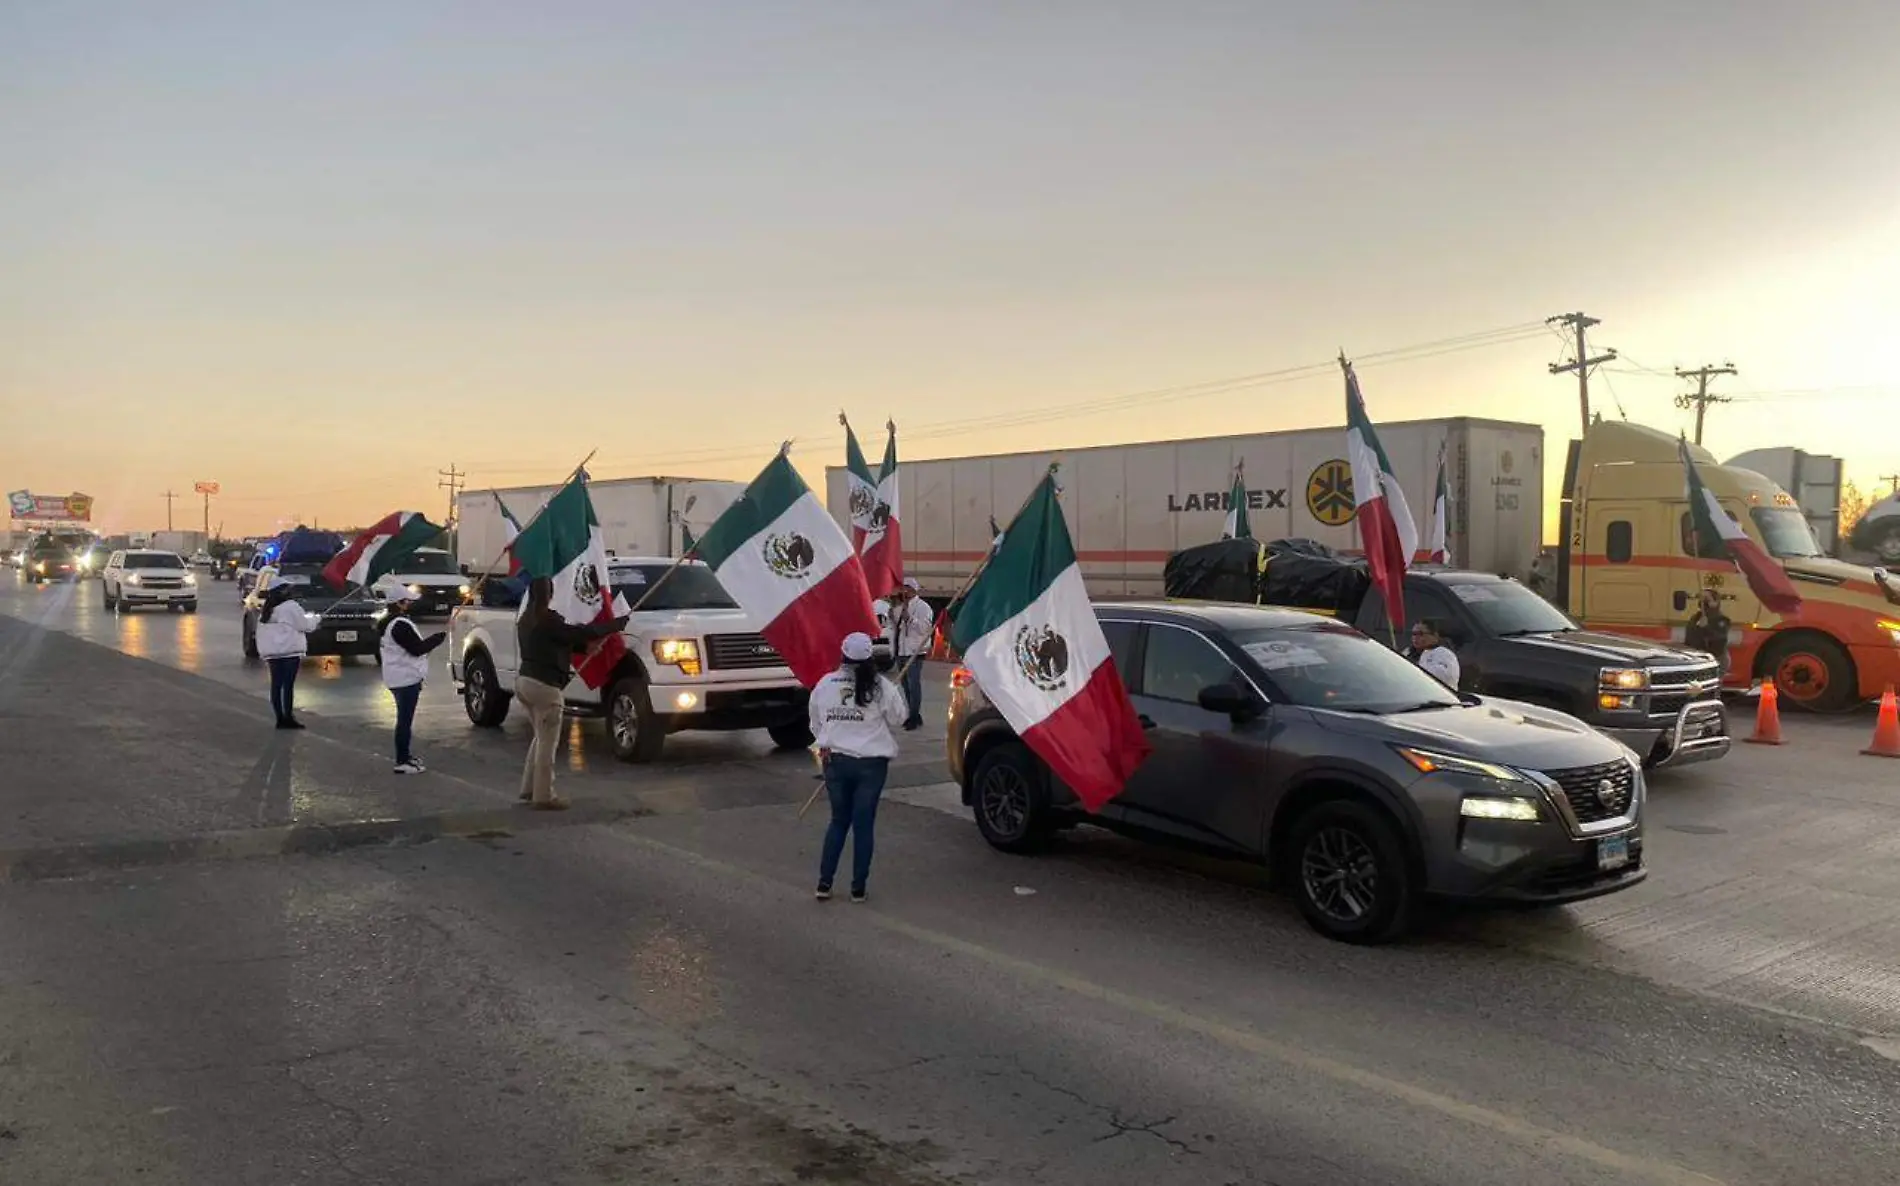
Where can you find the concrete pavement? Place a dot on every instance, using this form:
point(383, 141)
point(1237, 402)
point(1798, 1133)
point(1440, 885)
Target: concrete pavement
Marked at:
point(647, 993)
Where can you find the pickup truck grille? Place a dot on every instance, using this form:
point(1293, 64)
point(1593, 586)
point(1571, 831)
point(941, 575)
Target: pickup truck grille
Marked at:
point(740, 652)
point(161, 583)
point(1672, 689)
point(1583, 787)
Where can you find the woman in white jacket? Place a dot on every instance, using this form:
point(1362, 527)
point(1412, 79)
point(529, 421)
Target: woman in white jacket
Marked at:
point(405, 656)
point(282, 625)
point(853, 711)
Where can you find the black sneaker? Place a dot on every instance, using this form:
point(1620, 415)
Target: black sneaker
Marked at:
point(823, 892)
point(857, 895)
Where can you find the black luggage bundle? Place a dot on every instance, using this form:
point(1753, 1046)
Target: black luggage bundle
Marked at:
point(1293, 572)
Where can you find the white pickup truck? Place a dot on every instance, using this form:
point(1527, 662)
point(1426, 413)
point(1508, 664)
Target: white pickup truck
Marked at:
point(694, 661)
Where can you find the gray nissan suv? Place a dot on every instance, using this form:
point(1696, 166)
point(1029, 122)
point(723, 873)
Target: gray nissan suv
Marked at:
point(1364, 784)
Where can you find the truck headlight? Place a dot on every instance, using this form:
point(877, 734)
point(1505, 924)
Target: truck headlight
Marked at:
point(1891, 630)
point(191, 578)
point(1627, 678)
point(414, 590)
point(1507, 807)
point(132, 578)
point(1431, 762)
point(682, 653)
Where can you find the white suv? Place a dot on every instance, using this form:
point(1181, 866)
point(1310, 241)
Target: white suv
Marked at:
point(149, 578)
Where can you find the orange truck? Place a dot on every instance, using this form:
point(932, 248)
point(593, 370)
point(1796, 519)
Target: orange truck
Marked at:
point(1628, 563)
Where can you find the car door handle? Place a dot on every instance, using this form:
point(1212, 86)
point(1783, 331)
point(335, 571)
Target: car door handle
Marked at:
point(1146, 721)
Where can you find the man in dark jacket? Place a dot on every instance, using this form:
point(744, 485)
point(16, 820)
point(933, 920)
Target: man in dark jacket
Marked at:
point(545, 646)
point(1707, 629)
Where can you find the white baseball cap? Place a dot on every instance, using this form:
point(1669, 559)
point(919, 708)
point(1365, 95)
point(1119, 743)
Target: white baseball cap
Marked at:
point(857, 647)
point(912, 584)
point(389, 588)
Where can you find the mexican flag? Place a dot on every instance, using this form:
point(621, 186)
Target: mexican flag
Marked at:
point(873, 502)
point(1386, 530)
point(1237, 526)
point(782, 556)
point(380, 549)
point(1027, 631)
point(510, 528)
point(1436, 549)
point(1766, 578)
point(565, 544)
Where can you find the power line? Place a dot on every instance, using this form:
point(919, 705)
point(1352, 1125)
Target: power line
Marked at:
point(1702, 397)
point(1582, 362)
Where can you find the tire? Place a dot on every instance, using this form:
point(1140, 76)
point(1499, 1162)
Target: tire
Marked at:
point(249, 631)
point(112, 601)
point(1377, 899)
point(189, 607)
point(482, 697)
point(792, 734)
point(1884, 542)
point(1811, 672)
point(636, 731)
point(1009, 796)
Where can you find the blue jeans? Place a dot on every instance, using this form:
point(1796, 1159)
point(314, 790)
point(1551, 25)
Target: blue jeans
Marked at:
point(853, 785)
point(405, 718)
point(914, 693)
point(283, 686)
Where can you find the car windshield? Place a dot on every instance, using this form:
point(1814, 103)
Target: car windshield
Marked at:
point(1506, 608)
point(152, 560)
point(1786, 532)
point(52, 552)
point(430, 564)
point(1336, 667)
point(692, 586)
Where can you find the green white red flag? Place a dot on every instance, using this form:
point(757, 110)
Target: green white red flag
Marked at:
point(1437, 551)
point(1387, 531)
point(875, 531)
point(564, 543)
point(1237, 526)
point(1766, 578)
point(783, 558)
point(510, 528)
point(1028, 633)
point(380, 549)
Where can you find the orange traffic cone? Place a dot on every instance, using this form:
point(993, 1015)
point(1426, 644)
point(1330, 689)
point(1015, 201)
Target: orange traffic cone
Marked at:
point(1767, 716)
point(1887, 728)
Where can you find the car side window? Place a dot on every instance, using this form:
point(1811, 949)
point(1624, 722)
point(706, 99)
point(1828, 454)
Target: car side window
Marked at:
point(1178, 663)
point(1716, 551)
point(1121, 638)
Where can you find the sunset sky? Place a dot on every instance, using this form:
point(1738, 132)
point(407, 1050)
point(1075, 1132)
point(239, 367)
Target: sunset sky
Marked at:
point(318, 251)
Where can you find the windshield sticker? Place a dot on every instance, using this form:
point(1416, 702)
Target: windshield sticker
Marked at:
point(1470, 593)
point(629, 576)
point(1275, 656)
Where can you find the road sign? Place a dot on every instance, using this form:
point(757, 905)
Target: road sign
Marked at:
point(206, 487)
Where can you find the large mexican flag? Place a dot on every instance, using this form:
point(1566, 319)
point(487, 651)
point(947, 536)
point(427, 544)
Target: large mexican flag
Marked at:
point(1387, 530)
point(1766, 578)
point(1029, 634)
point(875, 532)
point(380, 549)
point(782, 556)
point(564, 543)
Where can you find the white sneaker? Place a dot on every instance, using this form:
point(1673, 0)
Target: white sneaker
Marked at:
point(410, 767)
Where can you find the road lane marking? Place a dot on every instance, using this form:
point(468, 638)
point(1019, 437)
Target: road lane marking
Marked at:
point(1525, 1132)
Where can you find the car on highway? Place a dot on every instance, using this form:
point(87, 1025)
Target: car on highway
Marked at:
point(297, 558)
point(200, 559)
point(49, 559)
point(694, 661)
point(435, 581)
point(92, 558)
point(1365, 785)
point(130, 579)
point(229, 563)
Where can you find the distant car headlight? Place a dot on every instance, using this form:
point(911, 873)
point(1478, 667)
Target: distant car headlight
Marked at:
point(415, 590)
point(465, 590)
point(1505, 807)
point(682, 653)
point(1628, 678)
point(1431, 762)
point(40, 568)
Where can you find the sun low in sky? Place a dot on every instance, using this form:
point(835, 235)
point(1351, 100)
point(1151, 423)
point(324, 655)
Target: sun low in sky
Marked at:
point(318, 253)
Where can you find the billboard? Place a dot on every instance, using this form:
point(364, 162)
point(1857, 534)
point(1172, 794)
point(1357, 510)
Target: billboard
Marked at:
point(26, 507)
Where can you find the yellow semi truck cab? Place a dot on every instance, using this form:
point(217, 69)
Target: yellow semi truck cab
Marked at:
point(1628, 564)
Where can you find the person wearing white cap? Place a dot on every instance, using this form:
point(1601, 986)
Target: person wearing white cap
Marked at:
point(853, 711)
point(405, 657)
point(906, 622)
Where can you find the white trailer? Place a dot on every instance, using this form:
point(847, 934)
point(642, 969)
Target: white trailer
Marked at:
point(1813, 478)
point(638, 516)
point(1129, 507)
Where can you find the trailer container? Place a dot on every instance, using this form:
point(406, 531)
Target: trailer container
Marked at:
point(638, 516)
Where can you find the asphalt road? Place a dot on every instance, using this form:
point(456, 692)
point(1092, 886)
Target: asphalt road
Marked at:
point(234, 955)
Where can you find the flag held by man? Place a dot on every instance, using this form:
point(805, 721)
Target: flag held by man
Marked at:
point(379, 549)
point(1717, 533)
point(564, 543)
point(782, 557)
point(1027, 631)
point(876, 534)
point(1387, 530)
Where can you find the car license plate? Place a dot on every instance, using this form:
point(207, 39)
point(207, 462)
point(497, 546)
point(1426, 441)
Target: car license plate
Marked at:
point(1613, 852)
point(346, 636)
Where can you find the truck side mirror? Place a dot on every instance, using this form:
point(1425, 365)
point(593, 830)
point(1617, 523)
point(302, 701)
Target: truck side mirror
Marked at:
point(1682, 600)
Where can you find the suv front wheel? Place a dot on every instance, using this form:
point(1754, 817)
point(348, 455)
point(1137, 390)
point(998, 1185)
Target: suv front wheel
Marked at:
point(1349, 873)
point(1009, 796)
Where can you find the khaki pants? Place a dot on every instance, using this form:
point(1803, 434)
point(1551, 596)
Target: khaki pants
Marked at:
point(543, 702)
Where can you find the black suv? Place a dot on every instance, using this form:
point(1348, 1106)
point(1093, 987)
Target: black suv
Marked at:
point(298, 557)
point(1363, 783)
point(48, 559)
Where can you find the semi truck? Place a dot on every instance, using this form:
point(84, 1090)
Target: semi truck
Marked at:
point(1130, 507)
point(638, 516)
point(1812, 479)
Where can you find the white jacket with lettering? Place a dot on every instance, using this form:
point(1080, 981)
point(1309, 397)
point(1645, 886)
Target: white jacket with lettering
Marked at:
point(280, 633)
point(843, 726)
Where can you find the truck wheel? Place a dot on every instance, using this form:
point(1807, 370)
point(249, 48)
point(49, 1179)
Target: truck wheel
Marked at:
point(191, 607)
point(1349, 873)
point(792, 734)
point(1812, 672)
point(1884, 542)
point(482, 697)
point(111, 601)
point(250, 638)
point(1009, 795)
point(636, 730)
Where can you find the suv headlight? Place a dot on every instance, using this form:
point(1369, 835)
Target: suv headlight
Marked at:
point(1505, 807)
point(191, 578)
point(682, 653)
point(1624, 678)
point(132, 578)
point(1432, 762)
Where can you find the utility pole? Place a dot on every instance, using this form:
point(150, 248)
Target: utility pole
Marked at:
point(1578, 323)
point(452, 480)
point(170, 498)
point(1894, 479)
point(1701, 400)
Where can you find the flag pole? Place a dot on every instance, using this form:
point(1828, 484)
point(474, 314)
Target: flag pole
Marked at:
point(968, 583)
point(532, 519)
